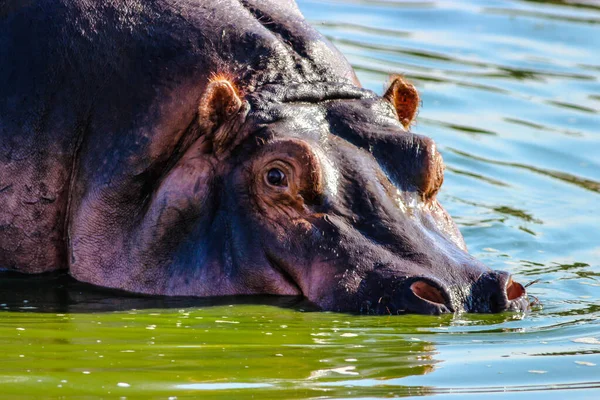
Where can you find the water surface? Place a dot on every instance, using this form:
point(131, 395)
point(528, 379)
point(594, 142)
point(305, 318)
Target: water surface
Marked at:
point(511, 94)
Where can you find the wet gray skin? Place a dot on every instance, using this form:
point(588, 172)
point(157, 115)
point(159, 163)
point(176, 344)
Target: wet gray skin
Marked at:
point(199, 149)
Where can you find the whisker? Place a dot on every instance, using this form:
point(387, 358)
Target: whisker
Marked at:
point(532, 283)
point(535, 301)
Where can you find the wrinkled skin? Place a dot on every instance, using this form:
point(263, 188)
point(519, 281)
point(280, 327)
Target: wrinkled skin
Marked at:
point(211, 148)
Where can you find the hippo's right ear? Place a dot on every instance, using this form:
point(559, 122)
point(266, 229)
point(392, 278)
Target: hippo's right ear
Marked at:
point(218, 105)
point(405, 99)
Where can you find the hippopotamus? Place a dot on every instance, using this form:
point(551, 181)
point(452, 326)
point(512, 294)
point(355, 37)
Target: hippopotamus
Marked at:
point(217, 148)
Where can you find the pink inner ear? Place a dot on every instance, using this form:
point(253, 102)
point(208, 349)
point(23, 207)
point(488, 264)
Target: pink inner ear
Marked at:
point(405, 99)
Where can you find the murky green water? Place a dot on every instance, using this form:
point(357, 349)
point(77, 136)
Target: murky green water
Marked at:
point(511, 93)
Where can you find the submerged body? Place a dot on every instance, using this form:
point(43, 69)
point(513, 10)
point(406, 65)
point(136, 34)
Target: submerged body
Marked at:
point(217, 148)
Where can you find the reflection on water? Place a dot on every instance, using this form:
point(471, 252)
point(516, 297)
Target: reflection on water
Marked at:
point(510, 93)
point(57, 292)
point(241, 351)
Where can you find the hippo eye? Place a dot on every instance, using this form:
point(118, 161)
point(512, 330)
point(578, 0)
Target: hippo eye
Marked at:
point(276, 177)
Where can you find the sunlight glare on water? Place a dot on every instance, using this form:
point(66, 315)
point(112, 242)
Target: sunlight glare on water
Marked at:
point(511, 94)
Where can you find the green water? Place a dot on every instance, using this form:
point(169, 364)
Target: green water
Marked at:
point(511, 93)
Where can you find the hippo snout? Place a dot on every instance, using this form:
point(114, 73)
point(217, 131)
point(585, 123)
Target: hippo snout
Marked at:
point(491, 292)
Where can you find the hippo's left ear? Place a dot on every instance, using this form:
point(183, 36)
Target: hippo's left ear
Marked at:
point(405, 99)
point(219, 104)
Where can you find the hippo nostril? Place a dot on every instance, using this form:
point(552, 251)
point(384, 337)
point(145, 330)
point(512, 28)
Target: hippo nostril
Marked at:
point(514, 290)
point(496, 291)
point(426, 291)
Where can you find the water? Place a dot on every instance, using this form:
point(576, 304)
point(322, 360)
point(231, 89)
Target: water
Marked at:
point(511, 93)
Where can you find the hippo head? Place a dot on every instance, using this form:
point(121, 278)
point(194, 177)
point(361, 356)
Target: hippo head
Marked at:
point(308, 189)
point(320, 191)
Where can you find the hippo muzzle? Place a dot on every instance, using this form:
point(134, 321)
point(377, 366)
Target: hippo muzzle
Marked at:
point(493, 292)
